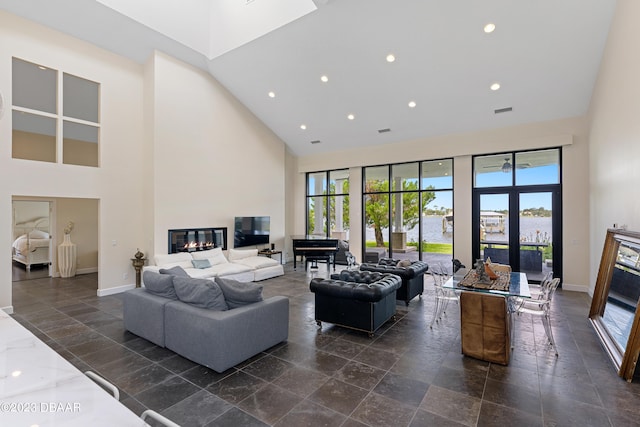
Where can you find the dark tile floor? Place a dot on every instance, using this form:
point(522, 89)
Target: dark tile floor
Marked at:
point(407, 375)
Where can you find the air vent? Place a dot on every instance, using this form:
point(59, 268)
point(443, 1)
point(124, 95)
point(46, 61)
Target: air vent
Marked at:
point(503, 110)
point(384, 130)
point(317, 141)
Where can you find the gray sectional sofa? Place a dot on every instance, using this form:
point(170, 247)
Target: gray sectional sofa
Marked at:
point(218, 339)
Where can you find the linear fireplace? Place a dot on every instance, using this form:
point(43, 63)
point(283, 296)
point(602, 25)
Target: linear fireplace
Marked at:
point(197, 239)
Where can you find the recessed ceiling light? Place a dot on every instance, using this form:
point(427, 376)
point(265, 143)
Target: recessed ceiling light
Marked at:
point(16, 373)
point(303, 127)
point(351, 117)
point(272, 94)
point(324, 79)
point(391, 57)
point(412, 104)
point(495, 86)
point(489, 28)
point(439, 163)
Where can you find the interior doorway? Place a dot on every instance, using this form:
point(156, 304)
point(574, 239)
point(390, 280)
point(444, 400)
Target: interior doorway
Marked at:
point(82, 213)
point(31, 248)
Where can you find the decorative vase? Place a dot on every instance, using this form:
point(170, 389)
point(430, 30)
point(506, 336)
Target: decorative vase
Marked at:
point(67, 257)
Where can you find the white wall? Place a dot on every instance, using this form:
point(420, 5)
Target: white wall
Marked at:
point(118, 183)
point(614, 170)
point(568, 133)
point(213, 160)
point(177, 150)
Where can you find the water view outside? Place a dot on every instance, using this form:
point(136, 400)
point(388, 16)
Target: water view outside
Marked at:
point(532, 228)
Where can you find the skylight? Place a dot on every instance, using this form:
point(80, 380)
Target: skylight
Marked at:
point(213, 27)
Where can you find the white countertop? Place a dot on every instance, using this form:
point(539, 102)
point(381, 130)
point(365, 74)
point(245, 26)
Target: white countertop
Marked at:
point(38, 387)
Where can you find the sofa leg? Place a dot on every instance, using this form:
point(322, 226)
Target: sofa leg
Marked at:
point(370, 334)
point(319, 323)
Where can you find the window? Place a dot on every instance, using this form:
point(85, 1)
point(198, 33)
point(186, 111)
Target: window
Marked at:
point(517, 211)
point(328, 204)
point(405, 209)
point(41, 131)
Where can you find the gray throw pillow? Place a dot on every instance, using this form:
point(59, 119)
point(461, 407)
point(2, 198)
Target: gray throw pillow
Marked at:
point(201, 293)
point(174, 271)
point(404, 263)
point(159, 284)
point(237, 294)
point(201, 263)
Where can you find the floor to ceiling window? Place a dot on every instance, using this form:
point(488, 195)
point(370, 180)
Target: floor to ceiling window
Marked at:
point(405, 210)
point(328, 204)
point(517, 200)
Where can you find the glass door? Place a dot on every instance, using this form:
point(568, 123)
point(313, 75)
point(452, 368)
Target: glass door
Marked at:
point(536, 234)
point(493, 227)
point(517, 211)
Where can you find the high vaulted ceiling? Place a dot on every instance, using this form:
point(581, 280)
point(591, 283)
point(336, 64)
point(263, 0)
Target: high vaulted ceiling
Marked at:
point(544, 54)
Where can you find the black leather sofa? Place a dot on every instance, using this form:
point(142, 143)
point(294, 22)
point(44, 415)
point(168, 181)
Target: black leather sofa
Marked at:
point(356, 299)
point(412, 276)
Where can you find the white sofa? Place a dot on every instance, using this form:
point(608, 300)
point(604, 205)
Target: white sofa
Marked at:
point(243, 265)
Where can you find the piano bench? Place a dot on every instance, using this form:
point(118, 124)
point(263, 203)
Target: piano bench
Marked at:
point(313, 259)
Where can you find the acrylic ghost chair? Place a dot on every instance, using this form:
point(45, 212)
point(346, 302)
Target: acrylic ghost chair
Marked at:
point(540, 306)
point(443, 295)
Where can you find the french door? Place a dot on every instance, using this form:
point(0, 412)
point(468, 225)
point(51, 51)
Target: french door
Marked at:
point(521, 228)
point(517, 218)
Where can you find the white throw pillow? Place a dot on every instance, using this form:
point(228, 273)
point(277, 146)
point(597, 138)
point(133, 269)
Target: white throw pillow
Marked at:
point(183, 259)
point(236, 254)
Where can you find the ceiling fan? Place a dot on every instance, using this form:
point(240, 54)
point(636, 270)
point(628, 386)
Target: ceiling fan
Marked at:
point(507, 167)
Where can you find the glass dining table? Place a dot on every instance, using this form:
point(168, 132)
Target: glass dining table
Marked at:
point(518, 285)
point(517, 290)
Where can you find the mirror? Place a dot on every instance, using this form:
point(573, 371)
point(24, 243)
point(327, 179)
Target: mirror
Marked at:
point(613, 313)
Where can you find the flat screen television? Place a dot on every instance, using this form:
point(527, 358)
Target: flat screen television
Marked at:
point(251, 231)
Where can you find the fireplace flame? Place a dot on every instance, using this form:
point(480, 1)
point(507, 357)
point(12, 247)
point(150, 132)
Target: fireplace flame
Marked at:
point(198, 245)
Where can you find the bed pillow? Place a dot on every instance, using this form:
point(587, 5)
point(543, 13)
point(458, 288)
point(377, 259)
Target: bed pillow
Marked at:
point(237, 294)
point(38, 234)
point(159, 284)
point(201, 263)
point(201, 293)
point(174, 271)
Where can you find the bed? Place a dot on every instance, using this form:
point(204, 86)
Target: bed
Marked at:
point(32, 244)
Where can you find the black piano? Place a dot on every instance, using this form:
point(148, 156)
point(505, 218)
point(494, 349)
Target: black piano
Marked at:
point(313, 249)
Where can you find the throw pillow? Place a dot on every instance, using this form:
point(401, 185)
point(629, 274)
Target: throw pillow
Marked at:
point(174, 271)
point(159, 284)
point(201, 263)
point(201, 293)
point(237, 294)
point(404, 263)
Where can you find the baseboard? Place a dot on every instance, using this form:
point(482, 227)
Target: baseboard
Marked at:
point(8, 309)
point(574, 288)
point(115, 290)
point(88, 270)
